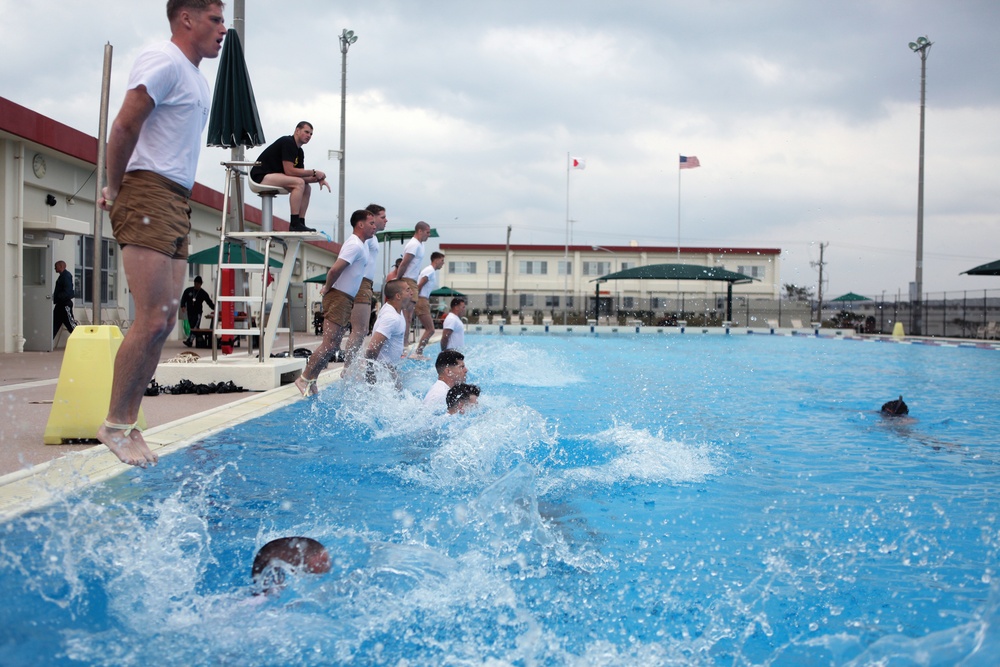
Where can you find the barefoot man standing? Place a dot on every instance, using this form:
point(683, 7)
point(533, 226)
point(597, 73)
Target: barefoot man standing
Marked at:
point(152, 157)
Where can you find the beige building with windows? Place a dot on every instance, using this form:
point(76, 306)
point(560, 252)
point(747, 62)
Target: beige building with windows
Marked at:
point(47, 199)
point(541, 277)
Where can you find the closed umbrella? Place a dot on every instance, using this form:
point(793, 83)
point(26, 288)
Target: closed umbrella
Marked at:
point(234, 120)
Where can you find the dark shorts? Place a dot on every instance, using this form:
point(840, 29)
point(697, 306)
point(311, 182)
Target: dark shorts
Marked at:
point(152, 212)
point(365, 292)
point(337, 307)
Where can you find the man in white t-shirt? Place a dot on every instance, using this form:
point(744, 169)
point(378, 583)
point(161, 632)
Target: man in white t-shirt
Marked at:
point(453, 329)
point(409, 268)
point(451, 370)
point(362, 313)
point(342, 283)
point(386, 344)
point(427, 283)
point(152, 157)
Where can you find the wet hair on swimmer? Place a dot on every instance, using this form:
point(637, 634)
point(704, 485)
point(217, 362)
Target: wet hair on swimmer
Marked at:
point(895, 408)
point(277, 557)
point(360, 215)
point(460, 393)
point(447, 358)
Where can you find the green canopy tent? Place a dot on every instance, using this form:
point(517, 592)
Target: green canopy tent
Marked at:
point(232, 253)
point(321, 278)
point(850, 298)
point(446, 291)
point(989, 269)
point(677, 272)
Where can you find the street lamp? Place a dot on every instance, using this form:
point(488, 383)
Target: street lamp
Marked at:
point(921, 46)
point(347, 37)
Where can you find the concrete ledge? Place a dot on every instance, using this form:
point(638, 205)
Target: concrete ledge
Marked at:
point(246, 372)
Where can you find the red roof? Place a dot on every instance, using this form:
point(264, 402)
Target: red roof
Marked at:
point(33, 126)
point(458, 247)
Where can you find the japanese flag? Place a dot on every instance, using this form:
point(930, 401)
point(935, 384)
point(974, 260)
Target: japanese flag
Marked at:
point(577, 163)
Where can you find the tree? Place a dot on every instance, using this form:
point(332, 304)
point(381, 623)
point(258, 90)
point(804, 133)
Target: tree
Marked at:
point(796, 293)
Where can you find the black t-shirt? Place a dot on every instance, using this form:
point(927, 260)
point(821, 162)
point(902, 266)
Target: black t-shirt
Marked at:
point(63, 293)
point(194, 297)
point(273, 157)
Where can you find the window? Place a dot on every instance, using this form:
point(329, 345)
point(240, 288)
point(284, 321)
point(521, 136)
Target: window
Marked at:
point(536, 267)
point(527, 300)
point(551, 302)
point(654, 302)
point(569, 302)
point(752, 271)
point(85, 271)
point(494, 266)
point(596, 268)
point(628, 302)
point(493, 300)
point(461, 267)
point(628, 265)
point(565, 267)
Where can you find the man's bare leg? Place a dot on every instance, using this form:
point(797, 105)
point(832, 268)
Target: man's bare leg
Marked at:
point(297, 189)
point(361, 315)
point(156, 282)
point(332, 334)
point(428, 324)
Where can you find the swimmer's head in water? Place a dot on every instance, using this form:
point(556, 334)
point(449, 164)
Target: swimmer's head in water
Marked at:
point(288, 555)
point(895, 408)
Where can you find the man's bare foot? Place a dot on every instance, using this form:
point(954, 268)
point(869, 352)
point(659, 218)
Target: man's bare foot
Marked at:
point(419, 357)
point(126, 442)
point(306, 387)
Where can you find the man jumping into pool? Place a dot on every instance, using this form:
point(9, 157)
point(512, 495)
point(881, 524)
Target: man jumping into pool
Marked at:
point(152, 157)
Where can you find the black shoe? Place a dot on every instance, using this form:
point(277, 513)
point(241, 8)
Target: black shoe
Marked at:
point(299, 227)
point(188, 342)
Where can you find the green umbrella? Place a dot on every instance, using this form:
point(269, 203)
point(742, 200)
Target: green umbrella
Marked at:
point(234, 120)
point(233, 255)
point(446, 291)
point(321, 278)
point(990, 269)
point(850, 296)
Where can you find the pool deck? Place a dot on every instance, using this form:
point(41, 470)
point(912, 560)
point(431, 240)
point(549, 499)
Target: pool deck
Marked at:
point(30, 471)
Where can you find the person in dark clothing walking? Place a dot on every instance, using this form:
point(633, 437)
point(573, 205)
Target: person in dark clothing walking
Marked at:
point(62, 299)
point(191, 301)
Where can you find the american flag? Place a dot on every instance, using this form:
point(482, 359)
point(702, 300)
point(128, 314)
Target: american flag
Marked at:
point(689, 162)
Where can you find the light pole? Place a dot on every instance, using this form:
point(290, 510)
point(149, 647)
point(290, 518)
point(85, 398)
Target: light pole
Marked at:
point(347, 37)
point(921, 46)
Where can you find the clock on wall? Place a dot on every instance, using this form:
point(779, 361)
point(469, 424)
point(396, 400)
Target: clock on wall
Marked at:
point(38, 166)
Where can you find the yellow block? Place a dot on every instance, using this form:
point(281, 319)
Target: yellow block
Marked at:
point(897, 330)
point(84, 390)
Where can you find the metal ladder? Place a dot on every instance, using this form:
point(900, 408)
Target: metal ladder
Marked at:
point(267, 322)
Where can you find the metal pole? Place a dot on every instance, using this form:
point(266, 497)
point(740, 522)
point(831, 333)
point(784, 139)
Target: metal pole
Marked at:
point(921, 46)
point(566, 249)
point(347, 37)
point(506, 271)
point(102, 157)
point(343, 140)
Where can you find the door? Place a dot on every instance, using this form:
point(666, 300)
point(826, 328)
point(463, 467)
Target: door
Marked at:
point(39, 281)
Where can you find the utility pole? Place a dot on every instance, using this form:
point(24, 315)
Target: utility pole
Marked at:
point(506, 272)
point(819, 291)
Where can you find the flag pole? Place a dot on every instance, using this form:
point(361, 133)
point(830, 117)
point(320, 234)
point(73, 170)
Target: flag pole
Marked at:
point(678, 222)
point(566, 249)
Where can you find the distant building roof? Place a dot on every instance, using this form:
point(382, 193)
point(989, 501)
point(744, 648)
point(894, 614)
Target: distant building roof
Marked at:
point(458, 247)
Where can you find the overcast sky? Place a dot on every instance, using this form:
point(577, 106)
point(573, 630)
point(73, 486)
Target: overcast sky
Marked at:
point(804, 115)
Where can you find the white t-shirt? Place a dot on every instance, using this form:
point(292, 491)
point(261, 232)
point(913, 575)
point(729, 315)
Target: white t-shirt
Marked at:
point(392, 325)
point(170, 139)
point(355, 252)
point(437, 397)
point(372, 244)
point(457, 339)
point(432, 280)
point(415, 248)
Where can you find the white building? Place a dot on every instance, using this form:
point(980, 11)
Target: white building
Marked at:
point(47, 199)
point(543, 278)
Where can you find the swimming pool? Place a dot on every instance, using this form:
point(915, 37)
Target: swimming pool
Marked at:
point(617, 501)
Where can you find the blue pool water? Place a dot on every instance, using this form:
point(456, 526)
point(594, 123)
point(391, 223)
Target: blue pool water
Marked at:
point(707, 500)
